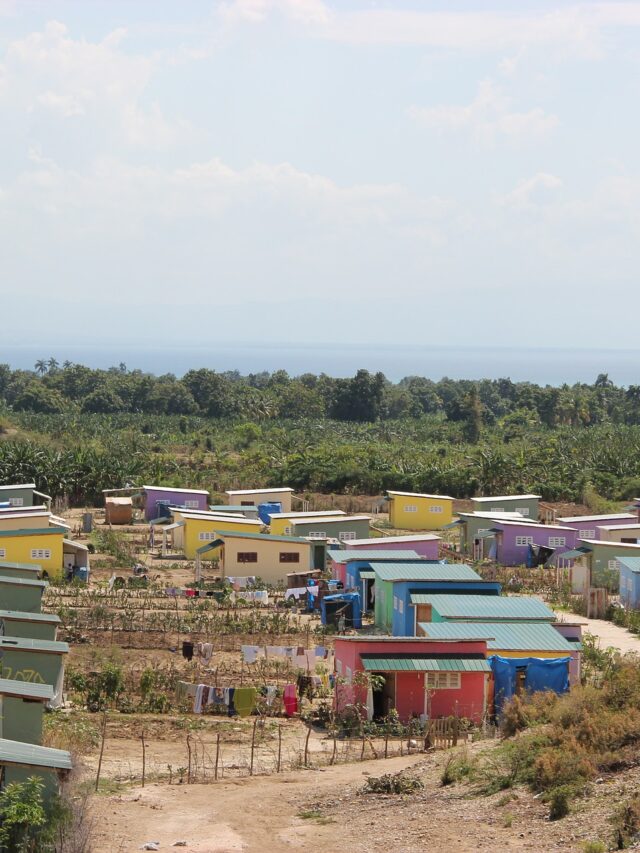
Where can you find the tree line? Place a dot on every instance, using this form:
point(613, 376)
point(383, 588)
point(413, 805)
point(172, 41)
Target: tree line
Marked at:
point(51, 388)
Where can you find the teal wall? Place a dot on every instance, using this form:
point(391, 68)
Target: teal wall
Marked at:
point(23, 665)
point(25, 598)
point(21, 720)
point(22, 773)
point(32, 630)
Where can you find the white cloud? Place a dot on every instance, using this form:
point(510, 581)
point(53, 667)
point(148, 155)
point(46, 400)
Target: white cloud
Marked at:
point(257, 11)
point(532, 192)
point(488, 118)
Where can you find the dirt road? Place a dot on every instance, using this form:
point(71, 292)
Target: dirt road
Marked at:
point(608, 633)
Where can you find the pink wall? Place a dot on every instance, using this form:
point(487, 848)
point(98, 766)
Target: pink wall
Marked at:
point(427, 548)
point(339, 572)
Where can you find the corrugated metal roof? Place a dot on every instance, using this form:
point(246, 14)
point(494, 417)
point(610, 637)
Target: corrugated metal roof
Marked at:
point(631, 563)
point(23, 644)
point(507, 498)
point(424, 571)
point(507, 636)
point(36, 531)
point(368, 575)
point(575, 553)
point(344, 556)
point(263, 537)
point(578, 519)
point(328, 519)
point(418, 537)
point(21, 581)
point(477, 607)
point(26, 567)
point(419, 495)
point(381, 663)
point(16, 752)
point(26, 690)
point(23, 616)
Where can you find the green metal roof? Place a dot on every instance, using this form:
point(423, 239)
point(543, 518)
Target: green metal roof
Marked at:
point(26, 644)
point(16, 752)
point(22, 616)
point(26, 689)
point(631, 563)
point(345, 556)
point(575, 553)
point(424, 571)
point(508, 636)
point(418, 663)
point(35, 531)
point(27, 567)
point(21, 581)
point(480, 607)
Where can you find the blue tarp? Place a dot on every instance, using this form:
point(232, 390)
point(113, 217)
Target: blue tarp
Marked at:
point(266, 510)
point(349, 598)
point(540, 674)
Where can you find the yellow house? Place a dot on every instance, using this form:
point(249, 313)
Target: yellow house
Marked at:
point(193, 530)
point(412, 511)
point(30, 520)
point(282, 522)
point(254, 497)
point(271, 558)
point(41, 546)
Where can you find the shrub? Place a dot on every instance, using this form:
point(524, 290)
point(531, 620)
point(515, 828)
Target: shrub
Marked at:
point(558, 799)
point(457, 768)
point(392, 783)
point(626, 822)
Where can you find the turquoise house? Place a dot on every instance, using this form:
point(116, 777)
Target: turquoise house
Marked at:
point(22, 708)
point(21, 594)
point(37, 626)
point(29, 571)
point(480, 608)
point(19, 761)
point(36, 661)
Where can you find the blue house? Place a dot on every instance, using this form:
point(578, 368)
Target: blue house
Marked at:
point(630, 581)
point(353, 568)
point(395, 583)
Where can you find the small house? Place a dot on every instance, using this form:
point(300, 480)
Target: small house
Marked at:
point(627, 533)
point(414, 511)
point(271, 558)
point(19, 761)
point(255, 497)
point(353, 569)
point(21, 570)
point(424, 544)
point(395, 583)
point(476, 539)
point(281, 523)
point(480, 608)
point(36, 661)
point(30, 520)
point(42, 546)
point(235, 509)
point(22, 709)
point(37, 626)
point(341, 527)
point(601, 560)
point(191, 530)
point(21, 594)
point(629, 581)
point(518, 543)
point(118, 510)
point(525, 505)
point(159, 499)
point(23, 495)
point(587, 525)
point(417, 678)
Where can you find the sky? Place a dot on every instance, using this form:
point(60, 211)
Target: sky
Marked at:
point(307, 171)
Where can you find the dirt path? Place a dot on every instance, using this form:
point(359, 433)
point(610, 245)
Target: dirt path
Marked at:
point(609, 634)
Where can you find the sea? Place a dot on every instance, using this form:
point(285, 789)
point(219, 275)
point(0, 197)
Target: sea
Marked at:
point(542, 365)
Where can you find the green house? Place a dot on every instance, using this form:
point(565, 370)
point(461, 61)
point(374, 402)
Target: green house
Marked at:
point(21, 570)
point(481, 608)
point(22, 708)
point(21, 594)
point(19, 761)
point(340, 527)
point(37, 626)
point(601, 559)
point(23, 494)
point(527, 505)
point(36, 661)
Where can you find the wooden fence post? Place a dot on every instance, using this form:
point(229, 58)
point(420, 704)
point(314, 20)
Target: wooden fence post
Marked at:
point(253, 745)
point(144, 758)
point(104, 734)
point(189, 763)
point(306, 747)
point(279, 747)
point(217, 755)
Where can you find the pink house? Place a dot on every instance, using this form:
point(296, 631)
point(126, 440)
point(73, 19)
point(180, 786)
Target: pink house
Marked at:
point(424, 544)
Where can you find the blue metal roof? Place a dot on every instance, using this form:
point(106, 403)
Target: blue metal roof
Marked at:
point(631, 563)
point(507, 636)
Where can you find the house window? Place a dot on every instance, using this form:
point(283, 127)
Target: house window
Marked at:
point(497, 509)
point(435, 509)
point(289, 557)
point(482, 530)
point(247, 503)
point(557, 541)
point(287, 531)
point(400, 606)
point(411, 508)
point(347, 674)
point(3, 553)
point(395, 602)
point(192, 504)
point(523, 510)
point(16, 501)
point(40, 553)
point(586, 534)
point(317, 534)
point(524, 540)
point(339, 667)
point(614, 565)
point(247, 556)
point(207, 537)
point(443, 681)
point(344, 535)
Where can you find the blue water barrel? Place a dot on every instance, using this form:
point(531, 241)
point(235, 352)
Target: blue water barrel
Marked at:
point(266, 510)
point(81, 573)
point(162, 509)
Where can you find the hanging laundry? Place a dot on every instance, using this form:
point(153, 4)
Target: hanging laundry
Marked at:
point(290, 700)
point(369, 704)
point(197, 702)
point(249, 653)
point(244, 700)
point(231, 694)
point(271, 694)
point(187, 650)
point(206, 651)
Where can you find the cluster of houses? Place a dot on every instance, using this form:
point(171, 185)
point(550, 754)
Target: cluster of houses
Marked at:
point(31, 679)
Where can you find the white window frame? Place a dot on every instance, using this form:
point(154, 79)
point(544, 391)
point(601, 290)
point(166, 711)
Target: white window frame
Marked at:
point(16, 501)
point(339, 667)
point(482, 530)
point(524, 540)
point(614, 565)
point(442, 681)
point(523, 510)
point(401, 606)
point(192, 504)
point(287, 531)
point(411, 508)
point(206, 536)
point(587, 534)
point(395, 602)
point(348, 674)
point(41, 553)
point(3, 553)
point(436, 509)
point(346, 535)
point(557, 541)
point(497, 509)
point(317, 534)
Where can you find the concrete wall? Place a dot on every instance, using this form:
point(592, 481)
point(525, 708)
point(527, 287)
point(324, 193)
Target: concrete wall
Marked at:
point(268, 567)
point(429, 513)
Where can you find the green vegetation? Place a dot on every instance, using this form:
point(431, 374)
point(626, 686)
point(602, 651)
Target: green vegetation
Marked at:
point(392, 783)
point(77, 431)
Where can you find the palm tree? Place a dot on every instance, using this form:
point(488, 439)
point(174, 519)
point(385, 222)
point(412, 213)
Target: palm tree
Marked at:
point(41, 366)
point(53, 365)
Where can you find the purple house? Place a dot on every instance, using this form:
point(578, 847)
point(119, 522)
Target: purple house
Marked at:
point(517, 543)
point(587, 525)
point(424, 544)
point(158, 499)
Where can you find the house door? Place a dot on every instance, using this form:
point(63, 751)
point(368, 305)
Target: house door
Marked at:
point(521, 677)
point(478, 549)
point(423, 614)
point(384, 699)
